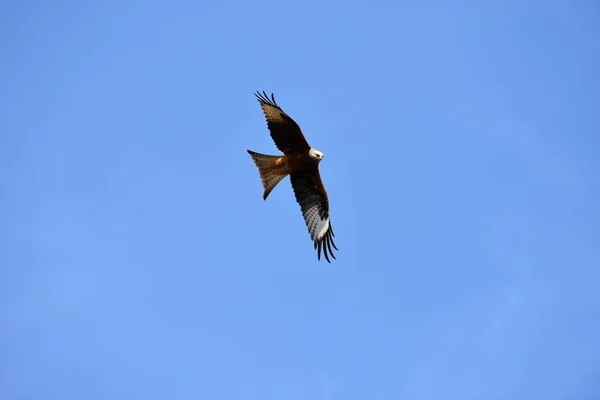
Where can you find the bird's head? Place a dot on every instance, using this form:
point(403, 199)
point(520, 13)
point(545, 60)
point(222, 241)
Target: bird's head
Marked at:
point(315, 154)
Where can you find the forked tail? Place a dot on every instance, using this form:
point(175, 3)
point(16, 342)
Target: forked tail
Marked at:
point(269, 175)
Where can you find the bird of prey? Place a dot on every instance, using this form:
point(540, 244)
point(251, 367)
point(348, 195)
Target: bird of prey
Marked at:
point(301, 163)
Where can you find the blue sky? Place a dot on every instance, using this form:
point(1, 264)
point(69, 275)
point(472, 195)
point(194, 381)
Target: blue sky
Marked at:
point(461, 161)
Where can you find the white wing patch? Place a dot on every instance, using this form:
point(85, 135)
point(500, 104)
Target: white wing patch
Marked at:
point(317, 226)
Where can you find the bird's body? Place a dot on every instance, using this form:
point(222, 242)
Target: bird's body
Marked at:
point(301, 163)
point(294, 162)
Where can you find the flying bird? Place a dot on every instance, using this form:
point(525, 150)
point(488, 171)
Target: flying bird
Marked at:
point(301, 163)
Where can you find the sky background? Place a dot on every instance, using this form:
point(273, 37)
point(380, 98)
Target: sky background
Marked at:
point(139, 261)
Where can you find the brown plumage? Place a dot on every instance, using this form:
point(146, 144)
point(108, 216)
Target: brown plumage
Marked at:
point(301, 163)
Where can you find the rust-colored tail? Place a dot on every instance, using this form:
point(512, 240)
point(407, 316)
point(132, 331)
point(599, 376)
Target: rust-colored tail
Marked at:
point(268, 176)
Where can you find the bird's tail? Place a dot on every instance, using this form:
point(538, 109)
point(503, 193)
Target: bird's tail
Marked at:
point(270, 175)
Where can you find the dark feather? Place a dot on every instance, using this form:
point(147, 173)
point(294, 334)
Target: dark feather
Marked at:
point(284, 131)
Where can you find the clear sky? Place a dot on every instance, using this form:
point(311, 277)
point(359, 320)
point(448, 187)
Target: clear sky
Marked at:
point(139, 261)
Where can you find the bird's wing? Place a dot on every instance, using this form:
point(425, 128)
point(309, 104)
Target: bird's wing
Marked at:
point(312, 197)
point(285, 131)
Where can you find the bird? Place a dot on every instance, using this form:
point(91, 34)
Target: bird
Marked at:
point(301, 163)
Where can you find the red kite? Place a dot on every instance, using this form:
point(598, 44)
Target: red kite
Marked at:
point(301, 163)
